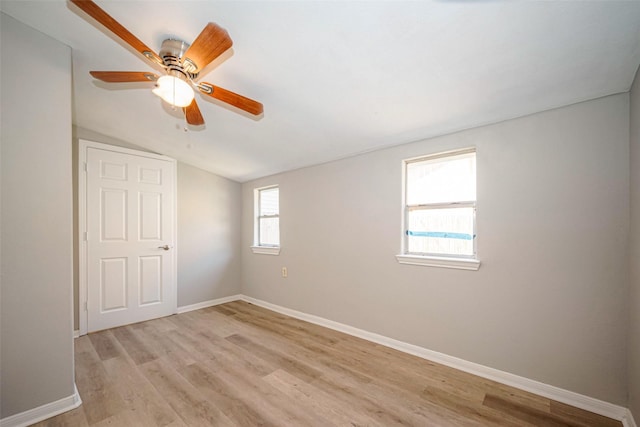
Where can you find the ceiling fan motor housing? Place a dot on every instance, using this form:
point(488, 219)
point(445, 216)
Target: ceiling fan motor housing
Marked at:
point(171, 53)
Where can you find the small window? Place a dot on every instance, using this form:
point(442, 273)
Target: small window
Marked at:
point(440, 209)
point(267, 224)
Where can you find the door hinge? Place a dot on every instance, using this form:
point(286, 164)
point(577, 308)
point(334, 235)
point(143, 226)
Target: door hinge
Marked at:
point(86, 307)
point(86, 236)
point(85, 166)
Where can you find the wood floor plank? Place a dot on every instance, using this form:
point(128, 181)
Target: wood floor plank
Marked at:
point(139, 395)
point(320, 401)
point(212, 347)
point(163, 324)
point(242, 365)
point(126, 418)
point(264, 398)
point(73, 418)
point(224, 309)
point(485, 415)
point(225, 397)
point(182, 396)
point(136, 349)
point(304, 331)
point(319, 361)
point(103, 343)
point(386, 410)
point(305, 353)
point(157, 340)
point(82, 345)
point(100, 399)
point(580, 415)
point(520, 396)
point(218, 323)
point(531, 415)
point(276, 358)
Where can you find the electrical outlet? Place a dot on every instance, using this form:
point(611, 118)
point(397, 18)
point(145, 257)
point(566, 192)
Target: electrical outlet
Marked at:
point(284, 271)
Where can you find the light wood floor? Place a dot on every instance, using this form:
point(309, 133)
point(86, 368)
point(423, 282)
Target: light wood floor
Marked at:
point(241, 365)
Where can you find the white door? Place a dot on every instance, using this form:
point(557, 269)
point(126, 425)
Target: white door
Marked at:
point(129, 242)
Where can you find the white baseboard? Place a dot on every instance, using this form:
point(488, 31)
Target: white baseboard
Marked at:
point(628, 420)
point(551, 392)
point(210, 303)
point(43, 412)
point(76, 333)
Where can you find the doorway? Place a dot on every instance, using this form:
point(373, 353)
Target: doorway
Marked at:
point(127, 241)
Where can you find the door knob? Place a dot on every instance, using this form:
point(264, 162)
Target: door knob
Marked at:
point(165, 247)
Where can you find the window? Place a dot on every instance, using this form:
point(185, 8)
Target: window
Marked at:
point(439, 226)
point(267, 223)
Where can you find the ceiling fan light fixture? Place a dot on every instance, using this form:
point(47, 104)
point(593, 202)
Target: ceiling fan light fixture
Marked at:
point(174, 91)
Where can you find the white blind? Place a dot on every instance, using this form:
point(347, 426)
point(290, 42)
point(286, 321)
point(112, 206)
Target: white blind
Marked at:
point(269, 201)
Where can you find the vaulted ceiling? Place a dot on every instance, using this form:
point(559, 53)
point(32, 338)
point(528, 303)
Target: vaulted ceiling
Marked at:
point(341, 77)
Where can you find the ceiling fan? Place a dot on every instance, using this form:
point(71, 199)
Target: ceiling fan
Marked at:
point(181, 63)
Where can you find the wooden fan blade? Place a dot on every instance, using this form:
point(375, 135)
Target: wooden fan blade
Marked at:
point(93, 10)
point(124, 76)
point(239, 101)
point(193, 115)
point(211, 43)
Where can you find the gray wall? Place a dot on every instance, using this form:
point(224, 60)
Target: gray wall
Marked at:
point(209, 220)
point(36, 227)
point(634, 256)
point(208, 244)
point(549, 301)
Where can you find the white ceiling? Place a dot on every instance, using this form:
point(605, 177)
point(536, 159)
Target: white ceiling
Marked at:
point(342, 77)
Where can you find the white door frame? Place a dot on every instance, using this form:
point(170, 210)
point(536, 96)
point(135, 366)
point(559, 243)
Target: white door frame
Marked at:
point(83, 284)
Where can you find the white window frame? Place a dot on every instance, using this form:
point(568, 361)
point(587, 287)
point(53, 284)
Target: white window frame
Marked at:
point(257, 248)
point(463, 262)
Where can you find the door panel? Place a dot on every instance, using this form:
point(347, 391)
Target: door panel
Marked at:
point(150, 176)
point(110, 170)
point(150, 279)
point(113, 214)
point(113, 284)
point(130, 221)
point(150, 216)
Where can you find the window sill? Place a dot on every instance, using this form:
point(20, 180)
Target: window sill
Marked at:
point(266, 250)
point(432, 261)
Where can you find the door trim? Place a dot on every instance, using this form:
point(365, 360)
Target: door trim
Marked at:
point(83, 284)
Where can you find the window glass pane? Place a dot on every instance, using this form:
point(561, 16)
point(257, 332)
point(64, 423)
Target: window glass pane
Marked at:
point(269, 232)
point(269, 201)
point(442, 180)
point(440, 231)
